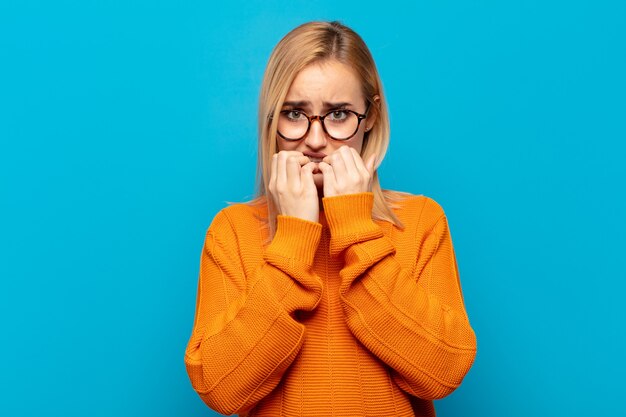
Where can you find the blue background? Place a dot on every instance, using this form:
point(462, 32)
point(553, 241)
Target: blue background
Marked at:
point(125, 126)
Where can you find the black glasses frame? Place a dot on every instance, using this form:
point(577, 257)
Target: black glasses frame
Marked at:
point(321, 119)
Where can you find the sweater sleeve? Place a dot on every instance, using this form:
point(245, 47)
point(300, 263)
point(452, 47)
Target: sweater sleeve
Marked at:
point(413, 320)
point(244, 335)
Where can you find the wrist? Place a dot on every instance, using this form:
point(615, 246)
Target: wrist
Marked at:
point(295, 238)
point(350, 214)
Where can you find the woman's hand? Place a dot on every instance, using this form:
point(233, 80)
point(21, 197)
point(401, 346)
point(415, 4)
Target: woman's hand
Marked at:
point(291, 185)
point(345, 172)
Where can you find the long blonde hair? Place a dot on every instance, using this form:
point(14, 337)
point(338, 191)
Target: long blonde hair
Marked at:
point(309, 43)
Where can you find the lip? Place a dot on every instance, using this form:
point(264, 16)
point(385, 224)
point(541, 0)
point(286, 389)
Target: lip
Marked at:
point(315, 157)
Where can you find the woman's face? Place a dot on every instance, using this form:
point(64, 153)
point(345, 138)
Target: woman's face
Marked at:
point(316, 90)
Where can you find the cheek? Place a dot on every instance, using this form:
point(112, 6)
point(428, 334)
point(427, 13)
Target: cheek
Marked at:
point(356, 142)
point(283, 145)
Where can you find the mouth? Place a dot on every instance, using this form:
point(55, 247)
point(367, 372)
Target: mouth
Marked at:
point(316, 170)
point(315, 156)
point(316, 159)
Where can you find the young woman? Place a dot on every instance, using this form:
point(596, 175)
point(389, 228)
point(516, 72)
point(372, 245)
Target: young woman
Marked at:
point(327, 296)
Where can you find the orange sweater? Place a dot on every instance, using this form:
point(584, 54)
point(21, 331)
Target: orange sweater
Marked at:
point(345, 317)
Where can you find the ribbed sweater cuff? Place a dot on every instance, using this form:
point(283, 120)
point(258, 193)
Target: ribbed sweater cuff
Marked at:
point(349, 219)
point(295, 238)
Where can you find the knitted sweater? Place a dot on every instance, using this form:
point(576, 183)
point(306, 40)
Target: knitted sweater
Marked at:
point(345, 317)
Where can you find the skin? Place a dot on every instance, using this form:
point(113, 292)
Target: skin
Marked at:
point(297, 184)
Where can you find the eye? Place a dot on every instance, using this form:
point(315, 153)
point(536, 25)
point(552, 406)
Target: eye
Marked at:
point(293, 114)
point(338, 115)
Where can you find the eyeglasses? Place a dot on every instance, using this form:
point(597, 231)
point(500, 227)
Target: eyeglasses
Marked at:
point(339, 124)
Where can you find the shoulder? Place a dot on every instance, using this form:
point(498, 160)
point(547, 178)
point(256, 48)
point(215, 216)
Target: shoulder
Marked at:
point(239, 218)
point(415, 208)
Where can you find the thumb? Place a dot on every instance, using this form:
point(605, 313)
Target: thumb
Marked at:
point(306, 174)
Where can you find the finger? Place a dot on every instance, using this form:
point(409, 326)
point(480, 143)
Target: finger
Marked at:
point(306, 175)
point(281, 170)
point(294, 153)
point(273, 170)
point(358, 162)
point(302, 160)
point(328, 176)
point(348, 155)
point(293, 171)
point(327, 171)
point(335, 160)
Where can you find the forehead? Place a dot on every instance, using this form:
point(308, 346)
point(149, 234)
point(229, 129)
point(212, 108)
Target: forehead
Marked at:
point(325, 81)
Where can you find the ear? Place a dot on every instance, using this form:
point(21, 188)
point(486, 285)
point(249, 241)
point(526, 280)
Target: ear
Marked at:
point(372, 115)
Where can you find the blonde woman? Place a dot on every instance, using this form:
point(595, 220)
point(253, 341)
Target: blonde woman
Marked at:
point(326, 295)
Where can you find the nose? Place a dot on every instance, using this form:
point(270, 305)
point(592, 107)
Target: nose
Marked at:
point(316, 138)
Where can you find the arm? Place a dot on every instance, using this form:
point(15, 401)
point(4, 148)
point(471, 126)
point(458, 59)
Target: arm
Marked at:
point(244, 336)
point(413, 320)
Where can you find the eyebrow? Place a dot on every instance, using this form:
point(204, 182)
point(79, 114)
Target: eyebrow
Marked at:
point(327, 105)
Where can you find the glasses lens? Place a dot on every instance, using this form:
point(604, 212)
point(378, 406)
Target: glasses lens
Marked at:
point(341, 124)
point(292, 124)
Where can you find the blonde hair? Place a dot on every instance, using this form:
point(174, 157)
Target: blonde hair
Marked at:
point(309, 43)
